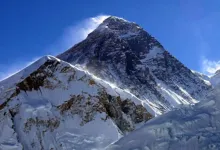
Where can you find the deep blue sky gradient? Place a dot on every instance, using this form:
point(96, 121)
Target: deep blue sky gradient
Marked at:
point(188, 29)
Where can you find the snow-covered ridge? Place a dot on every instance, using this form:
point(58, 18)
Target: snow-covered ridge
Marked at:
point(189, 128)
point(42, 101)
point(215, 79)
point(19, 76)
point(203, 77)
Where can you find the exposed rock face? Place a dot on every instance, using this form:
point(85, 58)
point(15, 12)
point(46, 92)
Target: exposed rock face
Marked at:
point(57, 103)
point(123, 53)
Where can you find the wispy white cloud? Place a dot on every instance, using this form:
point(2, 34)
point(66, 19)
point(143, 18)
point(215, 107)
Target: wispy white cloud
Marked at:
point(204, 29)
point(75, 33)
point(209, 67)
point(71, 35)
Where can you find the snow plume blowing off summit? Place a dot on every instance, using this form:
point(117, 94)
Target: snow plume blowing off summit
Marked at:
point(71, 35)
point(78, 32)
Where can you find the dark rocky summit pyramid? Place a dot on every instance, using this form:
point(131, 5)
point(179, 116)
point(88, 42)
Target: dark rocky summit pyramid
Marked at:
point(124, 54)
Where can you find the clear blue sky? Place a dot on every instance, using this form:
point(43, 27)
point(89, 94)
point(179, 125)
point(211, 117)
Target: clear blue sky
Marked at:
point(188, 29)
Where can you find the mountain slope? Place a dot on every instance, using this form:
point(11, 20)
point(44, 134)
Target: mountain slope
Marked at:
point(189, 128)
point(215, 79)
point(122, 53)
point(203, 77)
point(55, 105)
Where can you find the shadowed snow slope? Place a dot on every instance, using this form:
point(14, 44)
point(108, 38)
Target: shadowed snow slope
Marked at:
point(54, 105)
point(190, 128)
point(215, 79)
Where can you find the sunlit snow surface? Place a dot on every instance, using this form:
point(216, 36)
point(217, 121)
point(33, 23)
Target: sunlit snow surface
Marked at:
point(41, 105)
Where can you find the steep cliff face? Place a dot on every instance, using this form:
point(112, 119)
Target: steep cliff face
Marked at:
point(54, 105)
point(123, 53)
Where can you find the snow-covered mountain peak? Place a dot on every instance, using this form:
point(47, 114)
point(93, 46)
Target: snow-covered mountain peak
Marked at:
point(49, 57)
point(22, 74)
point(116, 23)
point(58, 106)
point(123, 53)
point(114, 19)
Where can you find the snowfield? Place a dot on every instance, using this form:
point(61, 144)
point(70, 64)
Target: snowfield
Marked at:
point(188, 128)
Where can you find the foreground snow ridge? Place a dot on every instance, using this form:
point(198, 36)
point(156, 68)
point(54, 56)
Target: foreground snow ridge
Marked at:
point(189, 128)
point(55, 105)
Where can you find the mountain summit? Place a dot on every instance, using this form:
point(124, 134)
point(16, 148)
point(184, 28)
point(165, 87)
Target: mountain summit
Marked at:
point(124, 54)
